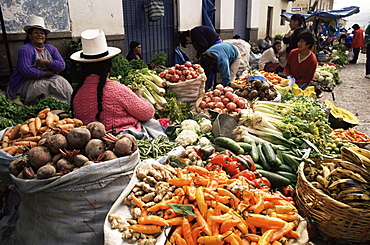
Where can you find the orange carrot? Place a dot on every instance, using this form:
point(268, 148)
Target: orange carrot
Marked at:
point(24, 129)
point(25, 143)
point(15, 132)
point(32, 127)
point(49, 120)
point(43, 114)
point(37, 123)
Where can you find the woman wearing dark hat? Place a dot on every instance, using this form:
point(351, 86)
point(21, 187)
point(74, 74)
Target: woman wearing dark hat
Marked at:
point(36, 71)
point(297, 25)
point(96, 98)
point(135, 51)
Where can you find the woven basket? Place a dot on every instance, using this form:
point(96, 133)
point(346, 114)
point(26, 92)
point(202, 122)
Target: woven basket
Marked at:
point(334, 219)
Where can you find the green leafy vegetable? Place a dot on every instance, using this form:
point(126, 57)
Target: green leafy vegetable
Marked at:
point(183, 209)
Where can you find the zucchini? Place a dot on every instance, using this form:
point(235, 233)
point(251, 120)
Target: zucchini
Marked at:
point(229, 144)
point(246, 146)
point(292, 177)
point(254, 152)
point(275, 179)
point(262, 159)
point(269, 153)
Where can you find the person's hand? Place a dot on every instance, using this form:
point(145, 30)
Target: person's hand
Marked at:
point(42, 62)
point(48, 73)
point(138, 92)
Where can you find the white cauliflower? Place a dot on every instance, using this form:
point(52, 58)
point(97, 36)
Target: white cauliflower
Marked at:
point(204, 141)
point(187, 137)
point(320, 79)
point(190, 124)
point(205, 125)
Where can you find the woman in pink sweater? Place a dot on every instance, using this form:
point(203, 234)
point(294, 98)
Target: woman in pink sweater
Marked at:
point(97, 98)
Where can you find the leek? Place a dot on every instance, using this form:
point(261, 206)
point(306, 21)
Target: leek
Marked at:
point(154, 87)
point(271, 137)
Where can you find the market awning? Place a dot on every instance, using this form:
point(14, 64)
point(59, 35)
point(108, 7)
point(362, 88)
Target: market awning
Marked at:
point(326, 15)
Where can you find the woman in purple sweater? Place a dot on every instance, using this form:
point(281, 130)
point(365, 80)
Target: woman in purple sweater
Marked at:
point(36, 71)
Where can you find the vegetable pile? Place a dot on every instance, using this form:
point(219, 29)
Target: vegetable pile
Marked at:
point(257, 89)
point(179, 73)
point(204, 207)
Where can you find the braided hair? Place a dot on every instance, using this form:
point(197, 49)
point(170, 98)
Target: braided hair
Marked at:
point(300, 18)
point(100, 68)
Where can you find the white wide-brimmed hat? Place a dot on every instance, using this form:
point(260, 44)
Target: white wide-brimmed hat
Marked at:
point(36, 22)
point(94, 47)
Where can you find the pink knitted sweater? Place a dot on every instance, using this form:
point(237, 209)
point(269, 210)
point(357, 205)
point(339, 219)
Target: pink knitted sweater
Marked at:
point(122, 108)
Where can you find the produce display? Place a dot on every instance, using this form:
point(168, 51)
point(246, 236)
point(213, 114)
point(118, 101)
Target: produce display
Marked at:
point(257, 89)
point(273, 78)
point(222, 100)
point(179, 73)
point(346, 179)
point(203, 207)
point(350, 134)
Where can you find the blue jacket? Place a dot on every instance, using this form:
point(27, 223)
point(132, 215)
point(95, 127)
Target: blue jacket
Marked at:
point(226, 54)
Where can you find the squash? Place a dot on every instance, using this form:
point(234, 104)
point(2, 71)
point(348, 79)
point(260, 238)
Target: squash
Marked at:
point(341, 118)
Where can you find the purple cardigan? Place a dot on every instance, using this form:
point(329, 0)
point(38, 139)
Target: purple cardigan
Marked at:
point(26, 59)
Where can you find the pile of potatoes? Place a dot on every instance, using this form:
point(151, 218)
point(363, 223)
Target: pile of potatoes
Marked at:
point(63, 151)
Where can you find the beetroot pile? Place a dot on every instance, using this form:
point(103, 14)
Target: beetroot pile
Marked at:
point(257, 89)
point(179, 73)
point(61, 152)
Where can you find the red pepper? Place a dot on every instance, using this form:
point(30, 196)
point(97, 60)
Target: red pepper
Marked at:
point(287, 191)
point(221, 159)
point(214, 167)
point(248, 174)
point(262, 182)
point(232, 168)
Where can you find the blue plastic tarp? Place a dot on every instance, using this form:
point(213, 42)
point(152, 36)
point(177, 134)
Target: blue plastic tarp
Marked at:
point(327, 14)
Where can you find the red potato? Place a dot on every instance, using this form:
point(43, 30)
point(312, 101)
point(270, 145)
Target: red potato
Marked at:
point(78, 138)
point(39, 156)
point(97, 130)
point(94, 148)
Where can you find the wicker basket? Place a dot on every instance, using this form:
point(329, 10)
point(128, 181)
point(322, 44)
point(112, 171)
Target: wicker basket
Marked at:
point(334, 219)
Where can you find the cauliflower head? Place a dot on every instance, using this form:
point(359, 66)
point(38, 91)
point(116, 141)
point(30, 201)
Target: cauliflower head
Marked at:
point(204, 141)
point(205, 125)
point(187, 137)
point(190, 124)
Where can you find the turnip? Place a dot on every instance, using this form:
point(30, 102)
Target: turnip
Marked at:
point(97, 130)
point(133, 141)
point(16, 166)
point(56, 142)
point(39, 156)
point(94, 148)
point(46, 171)
point(80, 160)
point(78, 138)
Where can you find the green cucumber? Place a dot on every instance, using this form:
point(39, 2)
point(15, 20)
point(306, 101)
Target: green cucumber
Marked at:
point(278, 161)
point(262, 159)
point(258, 166)
point(254, 152)
point(219, 148)
point(246, 146)
point(269, 153)
point(285, 168)
point(290, 160)
point(229, 144)
point(292, 177)
point(275, 179)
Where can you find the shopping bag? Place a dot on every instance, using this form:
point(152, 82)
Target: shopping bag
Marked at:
point(154, 10)
point(351, 55)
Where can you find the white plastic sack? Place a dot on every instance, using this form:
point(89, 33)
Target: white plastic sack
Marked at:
point(190, 90)
point(71, 209)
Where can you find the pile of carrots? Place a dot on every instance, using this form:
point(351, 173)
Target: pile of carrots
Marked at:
point(225, 211)
point(351, 135)
point(17, 139)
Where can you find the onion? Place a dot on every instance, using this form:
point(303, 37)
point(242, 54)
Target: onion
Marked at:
point(202, 105)
point(162, 74)
point(200, 70)
point(217, 110)
point(219, 105)
point(216, 99)
point(175, 78)
point(220, 87)
point(211, 105)
point(171, 71)
point(229, 95)
point(207, 99)
point(225, 101)
point(240, 104)
point(188, 77)
point(216, 92)
point(168, 76)
point(228, 89)
point(231, 106)
point(188, 64)
point(182, 78)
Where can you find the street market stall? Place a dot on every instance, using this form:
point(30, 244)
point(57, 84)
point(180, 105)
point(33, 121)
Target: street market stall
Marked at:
point(239, 167)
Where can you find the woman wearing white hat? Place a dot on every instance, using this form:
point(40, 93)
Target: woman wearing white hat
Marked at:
point(36, 71)
point(97, 98)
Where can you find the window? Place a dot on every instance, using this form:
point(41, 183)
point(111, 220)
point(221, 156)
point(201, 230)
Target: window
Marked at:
point(282, 20)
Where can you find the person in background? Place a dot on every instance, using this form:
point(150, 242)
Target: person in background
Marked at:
point(266, 43)
point(367, 46)
point(345, 40)
point(236, 36)
point(135, 51)
point(297, 25)
point(201, 37)
point(269, 60)
point(96, 98)
point(223, 58)
point(36, 73)
point(357, 42)
point(301, 63)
